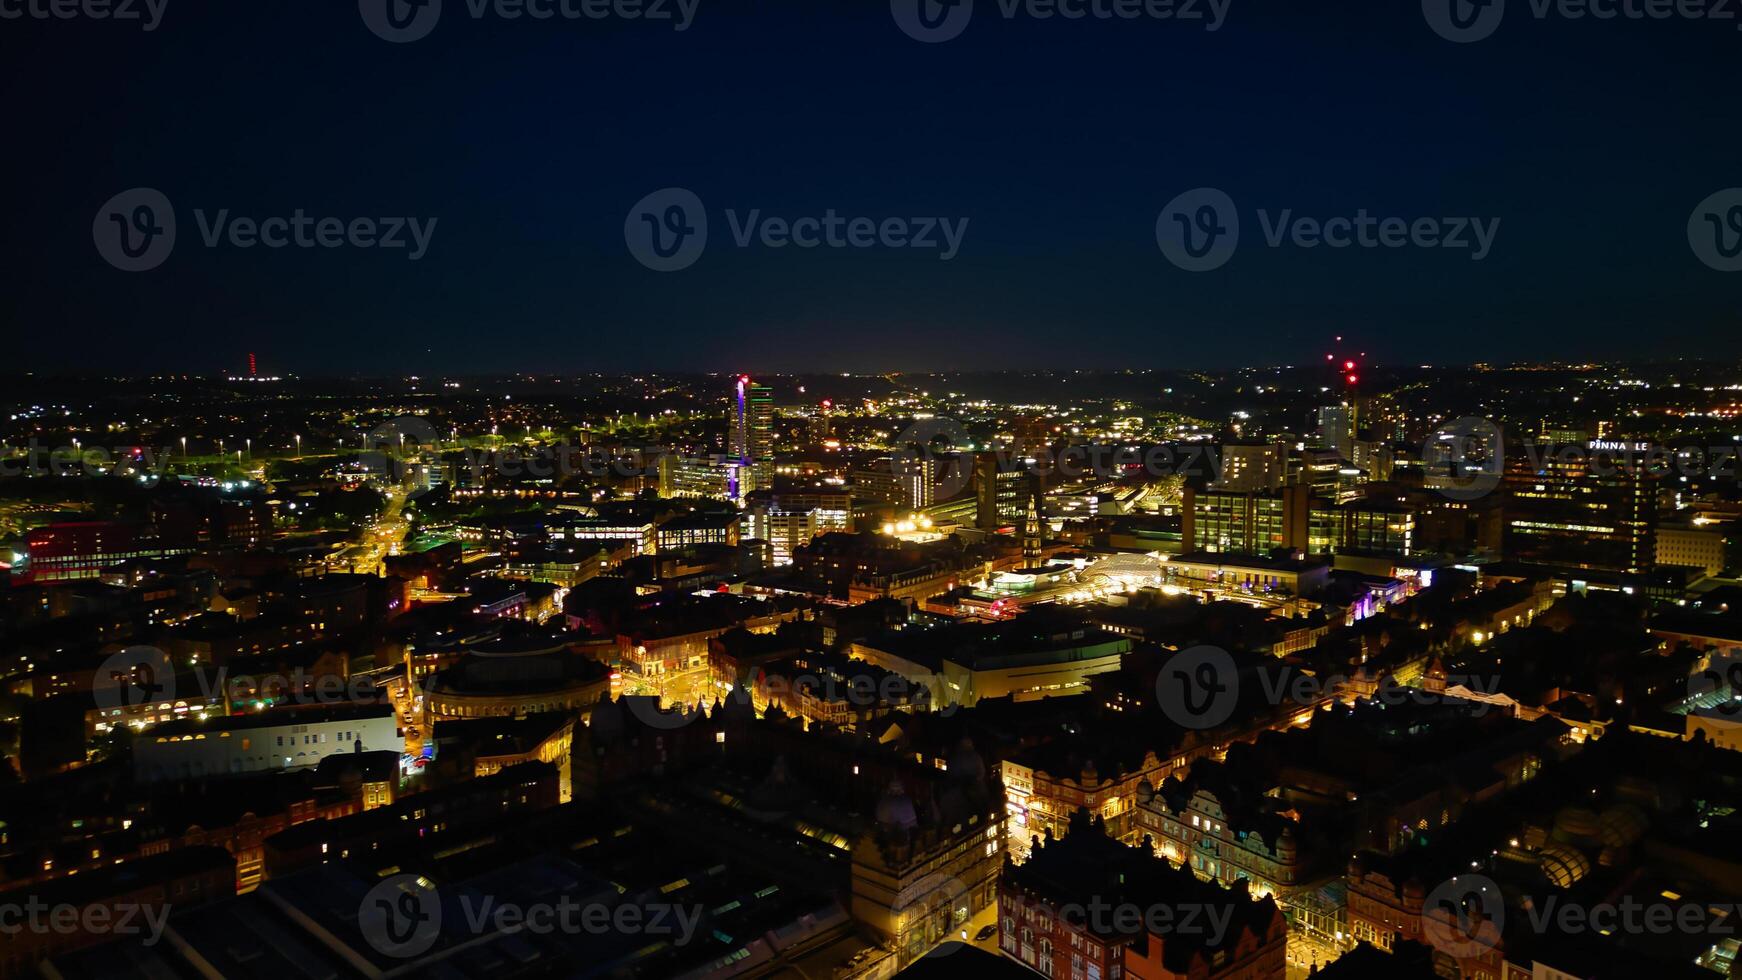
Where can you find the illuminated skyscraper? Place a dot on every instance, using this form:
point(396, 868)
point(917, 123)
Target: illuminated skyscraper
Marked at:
point(822, 422)
point(1251, 466)
point(986, 516)
point(1337, 428)
point(1592, 508)
point(752, 438)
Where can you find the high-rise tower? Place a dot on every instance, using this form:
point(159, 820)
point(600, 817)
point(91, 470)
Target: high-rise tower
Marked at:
point(752, 437)
point(1031, 525)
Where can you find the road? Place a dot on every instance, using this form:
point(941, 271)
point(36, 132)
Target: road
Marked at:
point(383, 536)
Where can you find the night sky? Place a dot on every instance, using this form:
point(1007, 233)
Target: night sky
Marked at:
point(530, 141)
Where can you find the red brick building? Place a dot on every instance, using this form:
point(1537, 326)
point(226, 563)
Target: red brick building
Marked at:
point(1087, 907)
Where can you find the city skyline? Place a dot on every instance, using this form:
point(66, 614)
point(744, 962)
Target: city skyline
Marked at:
point(1283, 673)
point(892, 490)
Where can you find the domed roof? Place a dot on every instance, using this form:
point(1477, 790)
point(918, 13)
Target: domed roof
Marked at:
point(1563, 865)
point(1622, 824)
point(1577, 822)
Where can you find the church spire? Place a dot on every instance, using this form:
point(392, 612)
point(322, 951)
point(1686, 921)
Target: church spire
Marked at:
point(1031, 525)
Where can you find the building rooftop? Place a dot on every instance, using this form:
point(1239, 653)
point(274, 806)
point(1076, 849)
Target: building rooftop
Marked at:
point(314, 714)
point(1231, 559)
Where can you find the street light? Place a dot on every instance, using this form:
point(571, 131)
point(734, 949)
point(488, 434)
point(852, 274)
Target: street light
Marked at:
point(299, 445)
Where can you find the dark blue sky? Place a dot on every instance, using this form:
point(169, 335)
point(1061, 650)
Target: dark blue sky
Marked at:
point(529, 142)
